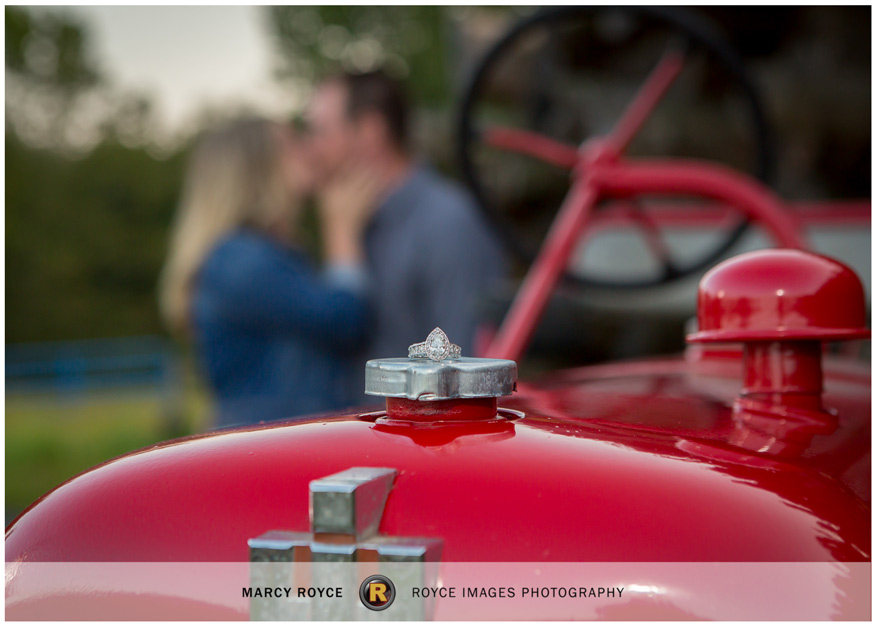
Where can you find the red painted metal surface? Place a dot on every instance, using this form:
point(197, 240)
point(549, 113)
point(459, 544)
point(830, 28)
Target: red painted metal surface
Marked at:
point(646, 100)
point(624, 468)
point(532, 144)
point(601, 178)
point(516, 330)
point(781, 294)
point(782, 368)
point(779, 408)
point(711, 215)
point(600, 173)
point(673, 460)
point(469, 409)
point(693, 178)
point(780, 304)
point(633, 118)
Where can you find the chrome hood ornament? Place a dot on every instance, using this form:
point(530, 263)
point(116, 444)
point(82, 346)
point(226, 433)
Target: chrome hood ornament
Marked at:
point(346, 510)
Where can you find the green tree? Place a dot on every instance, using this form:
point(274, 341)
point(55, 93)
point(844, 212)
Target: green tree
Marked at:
point(51, 78)
point(85, 240)
point(409, 41)
point(87, 203)
point(56, 95)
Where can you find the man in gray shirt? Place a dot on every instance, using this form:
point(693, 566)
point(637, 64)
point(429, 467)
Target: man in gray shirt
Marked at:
point(430, 254)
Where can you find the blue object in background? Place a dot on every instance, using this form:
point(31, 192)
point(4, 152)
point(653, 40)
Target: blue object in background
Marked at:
point(72, 368)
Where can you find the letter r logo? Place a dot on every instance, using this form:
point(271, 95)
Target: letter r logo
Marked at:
point(377, 592)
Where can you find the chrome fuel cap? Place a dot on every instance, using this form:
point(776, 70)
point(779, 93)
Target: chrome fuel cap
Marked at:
point(435, 371)
point(427, 380)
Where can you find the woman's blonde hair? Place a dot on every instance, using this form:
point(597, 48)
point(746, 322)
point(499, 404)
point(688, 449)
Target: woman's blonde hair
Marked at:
point(234, 179)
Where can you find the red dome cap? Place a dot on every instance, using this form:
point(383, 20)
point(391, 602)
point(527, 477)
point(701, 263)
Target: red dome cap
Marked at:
point(780, 295)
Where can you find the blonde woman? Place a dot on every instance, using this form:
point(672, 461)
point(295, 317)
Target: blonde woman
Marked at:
point(274, 335)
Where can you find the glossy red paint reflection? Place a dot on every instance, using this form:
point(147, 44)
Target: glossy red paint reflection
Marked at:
point(780, 294)
point(781, 304)
point(596, 470)
point(468, 409)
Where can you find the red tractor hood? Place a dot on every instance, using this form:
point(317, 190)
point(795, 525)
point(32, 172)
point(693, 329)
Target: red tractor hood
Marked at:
point(624, 462)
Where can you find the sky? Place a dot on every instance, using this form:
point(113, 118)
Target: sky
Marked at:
point(187, 58)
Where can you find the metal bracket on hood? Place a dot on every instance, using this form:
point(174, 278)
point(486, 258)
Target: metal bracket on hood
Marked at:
point(345, 513)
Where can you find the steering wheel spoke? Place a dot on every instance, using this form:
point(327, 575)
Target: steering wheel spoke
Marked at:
point(564, 34)
point(653, 236)
point(648, 98)
point(531, 144)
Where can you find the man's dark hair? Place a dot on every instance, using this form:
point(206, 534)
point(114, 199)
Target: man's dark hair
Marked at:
point(376, 92)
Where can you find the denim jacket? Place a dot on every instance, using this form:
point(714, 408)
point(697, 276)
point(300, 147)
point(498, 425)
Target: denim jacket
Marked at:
point(277, 339)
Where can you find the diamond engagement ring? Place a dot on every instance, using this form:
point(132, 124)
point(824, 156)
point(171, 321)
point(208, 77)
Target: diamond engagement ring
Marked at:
point(436, 347)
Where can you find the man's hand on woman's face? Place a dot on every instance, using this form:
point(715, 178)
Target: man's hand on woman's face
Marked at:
point(346, 203)
point(352, 194)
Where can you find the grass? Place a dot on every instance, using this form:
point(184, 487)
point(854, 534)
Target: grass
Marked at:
point(49, 439)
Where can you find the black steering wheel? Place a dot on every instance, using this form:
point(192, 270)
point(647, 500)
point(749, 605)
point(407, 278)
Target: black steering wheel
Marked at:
point(689, 34)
